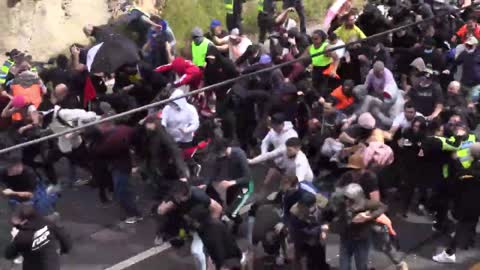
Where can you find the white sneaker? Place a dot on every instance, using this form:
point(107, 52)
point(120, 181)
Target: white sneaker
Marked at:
point(158, 241)
point(54, 189)
point(18, 260)
point(444, 258)
point(81, 182)
point(133, 220)
point(280, 260)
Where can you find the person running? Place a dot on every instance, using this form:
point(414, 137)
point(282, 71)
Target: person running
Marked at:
point(39, 241)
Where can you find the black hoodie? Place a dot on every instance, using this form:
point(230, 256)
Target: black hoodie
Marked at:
point(38, 242)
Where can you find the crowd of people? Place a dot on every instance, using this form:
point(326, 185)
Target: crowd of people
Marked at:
point(339, 130)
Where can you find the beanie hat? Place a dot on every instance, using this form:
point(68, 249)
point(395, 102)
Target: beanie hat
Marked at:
point(18, 102)
point(366, 121)
point(265, 59)
point(197, 32)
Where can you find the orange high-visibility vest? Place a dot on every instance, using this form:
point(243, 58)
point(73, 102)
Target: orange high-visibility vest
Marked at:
point(343, 100)
point(31, 94)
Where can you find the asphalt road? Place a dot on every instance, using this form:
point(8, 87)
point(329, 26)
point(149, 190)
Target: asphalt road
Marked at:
point(101, 240)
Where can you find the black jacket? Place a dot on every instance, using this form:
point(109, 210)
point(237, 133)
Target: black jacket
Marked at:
point(219, 242)
point(38, 242)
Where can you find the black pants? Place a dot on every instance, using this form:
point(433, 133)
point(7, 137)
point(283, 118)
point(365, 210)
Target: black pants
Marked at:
point(441, 201)
point(265, 23)
point(465, 231)
point(300, 9)
point(320, 81)
point(314, 255)
point(79, 156)
point(234, 21)
point(102, 176)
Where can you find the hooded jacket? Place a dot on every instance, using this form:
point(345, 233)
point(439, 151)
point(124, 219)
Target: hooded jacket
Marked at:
point(278, 140)
point(63, 119)
point(188, 73)
point(38, 241)
point(181, 121)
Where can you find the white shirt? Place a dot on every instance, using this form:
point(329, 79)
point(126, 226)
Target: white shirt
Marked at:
point(401, 122)
point(340, 52)
point(235, 51)
point(298, 166)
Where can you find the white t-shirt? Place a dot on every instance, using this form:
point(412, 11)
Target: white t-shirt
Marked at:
point(339, 52)
point(401, 122)
point(235, 51)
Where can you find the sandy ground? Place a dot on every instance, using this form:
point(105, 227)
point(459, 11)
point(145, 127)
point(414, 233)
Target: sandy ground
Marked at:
point(47, 27)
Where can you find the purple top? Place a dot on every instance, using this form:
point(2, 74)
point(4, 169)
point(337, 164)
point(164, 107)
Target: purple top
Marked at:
point(378, 85)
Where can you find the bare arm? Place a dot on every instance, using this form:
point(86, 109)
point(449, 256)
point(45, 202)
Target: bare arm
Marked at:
point(215, 209)
point(345, 138)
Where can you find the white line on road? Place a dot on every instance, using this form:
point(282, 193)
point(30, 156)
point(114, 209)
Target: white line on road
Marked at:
point(139, 257)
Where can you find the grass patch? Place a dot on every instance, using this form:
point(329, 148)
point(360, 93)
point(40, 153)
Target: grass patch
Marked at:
point(183, 15)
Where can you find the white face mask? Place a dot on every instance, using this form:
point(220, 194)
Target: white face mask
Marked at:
point(470, 50)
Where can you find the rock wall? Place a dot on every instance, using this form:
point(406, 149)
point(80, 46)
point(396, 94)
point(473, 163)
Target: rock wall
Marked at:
point(47, 27)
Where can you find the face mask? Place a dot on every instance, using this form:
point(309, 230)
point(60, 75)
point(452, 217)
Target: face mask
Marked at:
point(428, 51)
point(470, 50)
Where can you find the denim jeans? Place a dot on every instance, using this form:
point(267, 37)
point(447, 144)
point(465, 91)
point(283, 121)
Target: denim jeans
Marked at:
point(354, 248)
point(123, 192)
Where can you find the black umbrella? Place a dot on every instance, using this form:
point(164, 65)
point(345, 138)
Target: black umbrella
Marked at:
point(112, 54)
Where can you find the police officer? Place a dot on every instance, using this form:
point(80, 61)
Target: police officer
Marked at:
point(465, 211)
point(234, 14)
point(5, 69)
point(37, 240)
point(266, 18)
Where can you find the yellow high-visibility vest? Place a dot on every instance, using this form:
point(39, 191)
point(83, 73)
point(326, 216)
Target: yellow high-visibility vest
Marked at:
point(320, 60)
point(199, 53)
point(229, 6)
point(5, 69)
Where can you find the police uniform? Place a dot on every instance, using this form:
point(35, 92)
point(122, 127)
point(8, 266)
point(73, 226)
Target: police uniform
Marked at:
point(234, 14)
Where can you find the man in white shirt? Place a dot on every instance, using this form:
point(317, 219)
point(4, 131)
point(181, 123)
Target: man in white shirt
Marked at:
point(404, 119)
point(180, 119)
point(290, 160)
point(238, 44)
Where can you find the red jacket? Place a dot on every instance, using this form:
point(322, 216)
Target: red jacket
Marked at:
point(189, 73)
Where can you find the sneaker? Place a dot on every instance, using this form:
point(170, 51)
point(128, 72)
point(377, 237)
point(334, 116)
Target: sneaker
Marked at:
point(402, 266)
point(133, 220)
point(436, 227)
point(158, 240)
point(18, 260)
point(280, 260)
point(81, 182)
point(444, 258)
point(54, 189)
